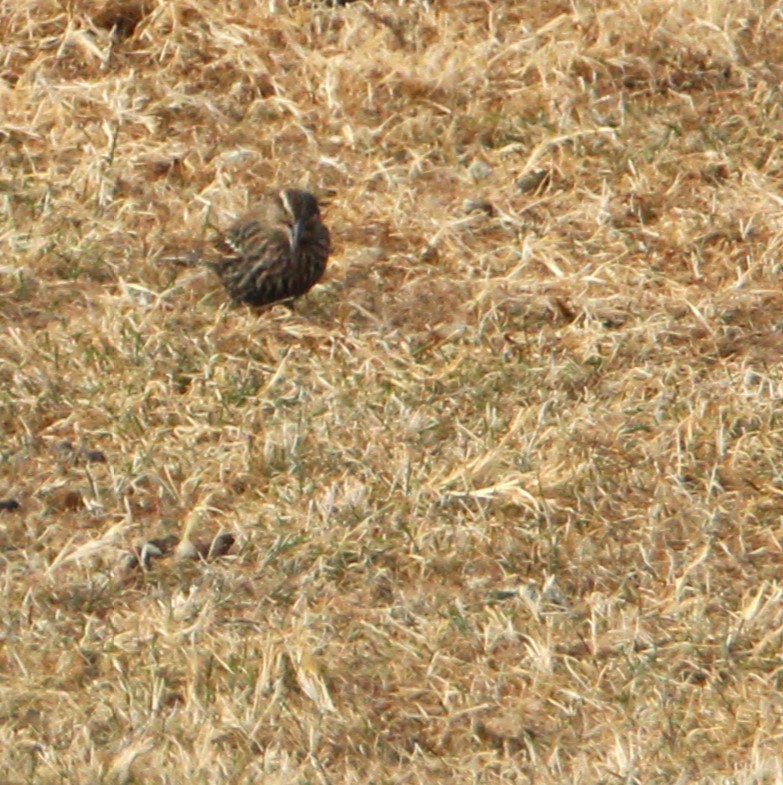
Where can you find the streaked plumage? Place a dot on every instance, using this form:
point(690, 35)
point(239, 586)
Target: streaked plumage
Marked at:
point(275, 253)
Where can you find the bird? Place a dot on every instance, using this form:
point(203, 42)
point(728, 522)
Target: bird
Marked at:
point(275, 253)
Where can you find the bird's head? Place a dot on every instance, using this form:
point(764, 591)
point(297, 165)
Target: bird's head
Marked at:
point(299, 207)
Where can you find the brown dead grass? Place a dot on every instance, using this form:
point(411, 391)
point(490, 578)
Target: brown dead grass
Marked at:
point(505, 487)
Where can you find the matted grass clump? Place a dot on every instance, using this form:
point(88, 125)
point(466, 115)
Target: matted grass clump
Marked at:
point(505, 488)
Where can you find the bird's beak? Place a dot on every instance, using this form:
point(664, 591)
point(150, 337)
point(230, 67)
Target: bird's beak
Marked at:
point(296, 234)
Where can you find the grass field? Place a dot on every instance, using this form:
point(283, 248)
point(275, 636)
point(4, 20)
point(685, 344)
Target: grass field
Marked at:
point(506, 487)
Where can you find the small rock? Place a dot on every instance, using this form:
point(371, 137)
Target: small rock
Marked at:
point(94, 456)
point(716, 173)
point(162, 166)
point(143, 555)
point(165, 544)
point(148, 553)
point(499, 595)
point(533, 180)
point(66, 499)
point(122, 18)
point(478, 206)
point(128, 563)
point(221, 545)
point(480, 170)
point(430, 254)
point(208, 551)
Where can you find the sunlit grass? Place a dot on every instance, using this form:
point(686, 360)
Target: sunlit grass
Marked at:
point(505, 486)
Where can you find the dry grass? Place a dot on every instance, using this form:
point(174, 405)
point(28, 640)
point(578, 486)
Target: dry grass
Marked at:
point(506, 488)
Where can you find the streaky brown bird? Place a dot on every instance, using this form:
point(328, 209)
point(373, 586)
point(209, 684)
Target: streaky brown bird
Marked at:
point(274, 253)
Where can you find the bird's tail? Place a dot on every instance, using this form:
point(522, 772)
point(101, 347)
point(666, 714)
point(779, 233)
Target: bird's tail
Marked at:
point(190, 258)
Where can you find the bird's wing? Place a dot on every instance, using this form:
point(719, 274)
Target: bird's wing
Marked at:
point(253, 240)
point(243, 238)
point(271, 264)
